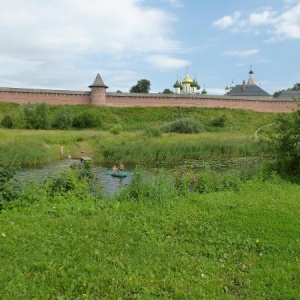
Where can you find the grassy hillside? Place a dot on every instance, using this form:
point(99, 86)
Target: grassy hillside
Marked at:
point(136, 141)
point(137, 118)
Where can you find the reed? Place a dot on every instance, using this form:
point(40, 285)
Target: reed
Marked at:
point(176, 147)
point(37, 147)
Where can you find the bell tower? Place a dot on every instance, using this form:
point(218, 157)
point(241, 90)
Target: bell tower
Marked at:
point(98, 91)
point(251, 77)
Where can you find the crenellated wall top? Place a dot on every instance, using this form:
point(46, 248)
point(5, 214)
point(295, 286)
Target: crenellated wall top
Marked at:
point(43, 91)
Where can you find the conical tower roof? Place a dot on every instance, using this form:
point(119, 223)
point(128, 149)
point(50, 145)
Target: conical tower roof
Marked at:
point(98, 82)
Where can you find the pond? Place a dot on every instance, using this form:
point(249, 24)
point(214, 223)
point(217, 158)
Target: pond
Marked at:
point(112, 184)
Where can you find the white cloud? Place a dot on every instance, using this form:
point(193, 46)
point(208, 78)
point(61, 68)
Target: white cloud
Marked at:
point(60, 34)
point(164, 62)
point(264, 18)
point(288, 24)
point(277, 25)
point(246, 53)
point(228, 21)
point(174, 3)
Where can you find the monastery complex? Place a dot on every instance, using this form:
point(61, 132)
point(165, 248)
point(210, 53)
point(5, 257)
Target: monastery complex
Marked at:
point(186, 94)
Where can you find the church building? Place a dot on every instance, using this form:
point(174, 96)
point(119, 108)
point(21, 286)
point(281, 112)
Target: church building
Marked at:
point(188, 86)
point(246, 89)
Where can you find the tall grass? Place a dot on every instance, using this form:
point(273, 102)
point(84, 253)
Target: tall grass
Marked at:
point(33, 147)
point(36, 147)
point(175, 147)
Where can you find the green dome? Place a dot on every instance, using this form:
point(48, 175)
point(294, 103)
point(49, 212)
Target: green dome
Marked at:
point(204, 92)
point(177, 84)
point(194, 84)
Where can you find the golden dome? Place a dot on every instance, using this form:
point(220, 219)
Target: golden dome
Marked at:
point(187, 79)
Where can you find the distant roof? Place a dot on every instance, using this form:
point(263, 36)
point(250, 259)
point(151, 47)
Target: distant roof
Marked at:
point(249, 90)
point(289, 94)
point(98, 82)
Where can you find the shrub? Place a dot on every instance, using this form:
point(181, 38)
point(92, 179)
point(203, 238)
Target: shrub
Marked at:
point(286, 144)
point(63, 118)
point(116, 129)
point(219, 121)
point(87, 119)
point(32, 116)
point(19, 119)
point(7, 122)
point(184, 125)
point(66, 182)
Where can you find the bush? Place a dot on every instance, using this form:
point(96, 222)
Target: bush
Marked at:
point(116, 129)
point(63, 118)
point(32, 116)
point(67, 181)
point(219, 121)
point(185, 125)
point(7, 122)
point(87, 119)
point(286, 143)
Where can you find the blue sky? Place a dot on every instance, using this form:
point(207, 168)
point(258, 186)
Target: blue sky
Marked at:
point(63, 44)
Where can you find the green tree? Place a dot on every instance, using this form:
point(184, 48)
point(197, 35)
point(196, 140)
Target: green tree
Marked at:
point(63, 118)
point(277, 93)
point(296, 87)
point(167, 91)
point(32, 116)
point(142, 86)
point(286, 143)
point(87, 119)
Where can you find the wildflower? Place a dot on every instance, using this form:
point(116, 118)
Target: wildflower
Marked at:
point(3, 234)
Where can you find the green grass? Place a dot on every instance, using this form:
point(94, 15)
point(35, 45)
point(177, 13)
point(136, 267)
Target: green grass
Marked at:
point(133, 143)
point(33, 147)
point(225, 245)
point(154, 240)
point(137, 118)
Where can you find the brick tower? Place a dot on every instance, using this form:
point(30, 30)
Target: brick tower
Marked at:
point(98, 91)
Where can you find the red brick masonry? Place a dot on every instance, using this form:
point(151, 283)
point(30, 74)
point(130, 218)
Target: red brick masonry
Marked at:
point(62, 97)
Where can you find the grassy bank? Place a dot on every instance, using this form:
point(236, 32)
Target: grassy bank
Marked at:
point(33, 147)
point(224, 245)
point(137, 118)
point(137, 139)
